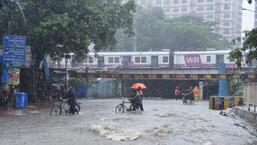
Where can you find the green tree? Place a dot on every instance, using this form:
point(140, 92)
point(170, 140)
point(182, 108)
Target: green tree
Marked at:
point(153, 31)
point(56, 28)
point(249, 47)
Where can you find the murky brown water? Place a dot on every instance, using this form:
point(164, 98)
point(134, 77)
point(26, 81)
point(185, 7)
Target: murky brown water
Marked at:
point(164, 122)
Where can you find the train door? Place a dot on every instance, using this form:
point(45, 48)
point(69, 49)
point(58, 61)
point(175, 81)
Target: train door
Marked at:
point(100, 61)
point(126, 61)
point(154, 61)
point(219, 59)
point(171, 60)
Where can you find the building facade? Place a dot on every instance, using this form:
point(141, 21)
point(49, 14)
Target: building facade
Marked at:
point(255, 15)
point(226, 14)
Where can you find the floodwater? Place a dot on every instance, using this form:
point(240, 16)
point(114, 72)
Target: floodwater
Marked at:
point(164, 122)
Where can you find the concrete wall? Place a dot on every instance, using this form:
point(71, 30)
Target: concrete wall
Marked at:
point(246, 115)
point(104, 88)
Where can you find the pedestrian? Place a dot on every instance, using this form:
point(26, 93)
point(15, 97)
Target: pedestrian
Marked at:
point(62, 90)
point(196, 93)
point(140, 95)
point(5, 96)
point(72, 101)
point(177, 93)
point(12, 96)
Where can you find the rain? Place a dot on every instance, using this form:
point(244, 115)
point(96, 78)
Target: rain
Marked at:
point(128, 72)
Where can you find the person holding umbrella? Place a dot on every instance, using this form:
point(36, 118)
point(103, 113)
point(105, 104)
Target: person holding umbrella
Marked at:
point(139, 94)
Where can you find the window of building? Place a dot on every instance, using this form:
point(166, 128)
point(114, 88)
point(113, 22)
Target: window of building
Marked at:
point(209, 16)
point(210, 1)
point(137, 59)
point(90, 58)
point(200, 1)
point(167, 2)
point(226, 7)
point(184, 1)
point(110, 59)
point(165, 59)
point(208, 59)
point(209, 7)
point(226, 31)
point(158, 2)
point(176, 2)
point(143, 59)
point(227, 15)
point(184, 9)
point(175, 10)
point(117, 60)
point(227, 23)
point(167, 10)
point(200, 8)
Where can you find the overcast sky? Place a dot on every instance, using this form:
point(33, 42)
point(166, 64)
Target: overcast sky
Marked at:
point(248, 17)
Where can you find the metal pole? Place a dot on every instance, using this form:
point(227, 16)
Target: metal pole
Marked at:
point(66, 68)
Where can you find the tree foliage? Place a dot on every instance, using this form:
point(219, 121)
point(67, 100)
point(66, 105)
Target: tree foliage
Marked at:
point(250, 1)
point(58, 27)
point(67, 26)
point(153, 31)
point(248, 49)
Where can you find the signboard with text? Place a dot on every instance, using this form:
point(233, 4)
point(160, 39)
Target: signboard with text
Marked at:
point(14, 50)
point(193, 60)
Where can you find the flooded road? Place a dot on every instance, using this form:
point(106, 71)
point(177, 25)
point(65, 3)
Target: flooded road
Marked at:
point(164, 122)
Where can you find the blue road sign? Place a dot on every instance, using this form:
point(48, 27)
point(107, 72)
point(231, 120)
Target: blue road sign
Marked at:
point(14, 50)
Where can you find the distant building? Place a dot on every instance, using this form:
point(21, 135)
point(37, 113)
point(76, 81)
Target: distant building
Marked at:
point(255, 16)
point(226, 13)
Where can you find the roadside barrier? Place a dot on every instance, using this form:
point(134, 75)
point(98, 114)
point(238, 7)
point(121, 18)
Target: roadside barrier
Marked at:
point(224, 102)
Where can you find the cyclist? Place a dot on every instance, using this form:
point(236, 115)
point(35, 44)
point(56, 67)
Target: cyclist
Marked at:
point(72, 101)
point(134, 99)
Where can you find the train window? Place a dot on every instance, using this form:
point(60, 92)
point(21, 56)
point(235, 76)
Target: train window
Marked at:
point(208, 59)
point(110, 59)
point(137, 59)
point(117, 60)
point(143, 59)
point(165, 59)
point(90, 58)
point(231, 59)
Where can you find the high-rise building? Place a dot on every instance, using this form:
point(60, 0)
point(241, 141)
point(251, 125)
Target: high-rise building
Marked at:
point(255, 15)
point(227, 14)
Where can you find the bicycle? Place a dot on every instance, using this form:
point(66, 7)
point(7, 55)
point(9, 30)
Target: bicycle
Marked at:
point(186, 99)
point(61, 106)
point(121, 108)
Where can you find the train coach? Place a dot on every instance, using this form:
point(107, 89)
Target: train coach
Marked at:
point(112, 60)
point(158, 59)
point(202, 59)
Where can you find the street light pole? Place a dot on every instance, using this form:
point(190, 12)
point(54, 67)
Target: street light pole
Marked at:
point(67, 57)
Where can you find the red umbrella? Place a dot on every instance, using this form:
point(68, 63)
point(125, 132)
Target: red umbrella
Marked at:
point(138, 85)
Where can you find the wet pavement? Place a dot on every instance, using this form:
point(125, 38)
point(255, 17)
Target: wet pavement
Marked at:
point(164, 122)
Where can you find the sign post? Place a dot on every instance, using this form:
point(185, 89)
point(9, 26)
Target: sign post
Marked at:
point(14, 51)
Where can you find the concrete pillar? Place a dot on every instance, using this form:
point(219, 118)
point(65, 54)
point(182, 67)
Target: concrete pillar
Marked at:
point(201, 89)
point(223, 83)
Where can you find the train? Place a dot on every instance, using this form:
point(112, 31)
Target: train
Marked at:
point(158, 59)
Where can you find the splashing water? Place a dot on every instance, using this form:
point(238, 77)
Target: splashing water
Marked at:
point(113, 134)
